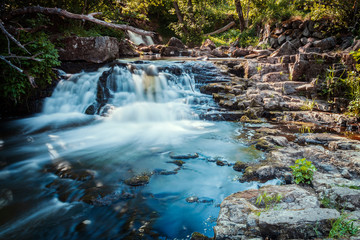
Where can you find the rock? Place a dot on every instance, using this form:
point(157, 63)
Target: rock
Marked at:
point(219, 53)
point(126, 49)
point(185, 156)
point(275, 77)
point(240, 52)
point(137, 181)
point(317, 35)
point(344, 197)
point(177, 162)
point(325, 44)
point(154, 49)
point(240, 166)
point(300, 224)
point(192, 199)
point(208, 45)
point(198, 236)
point(286, 49)
point(220, 163)
point(293, 215)
point(175, 42)
point(170, 51)
point(281, 39)
point(89, 49)
point(306, 32)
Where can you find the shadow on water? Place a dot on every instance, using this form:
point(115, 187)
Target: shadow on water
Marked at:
point(127, 169)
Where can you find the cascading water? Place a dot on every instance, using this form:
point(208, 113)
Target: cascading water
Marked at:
point(138, 39)
point(69, 172)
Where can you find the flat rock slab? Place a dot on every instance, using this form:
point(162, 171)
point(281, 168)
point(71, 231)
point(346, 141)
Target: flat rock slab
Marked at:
point(297, 215)
point(303, 224)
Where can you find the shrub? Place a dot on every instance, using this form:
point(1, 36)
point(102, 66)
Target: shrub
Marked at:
point(303, 171)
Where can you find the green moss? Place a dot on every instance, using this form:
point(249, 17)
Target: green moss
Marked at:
point(240, 166)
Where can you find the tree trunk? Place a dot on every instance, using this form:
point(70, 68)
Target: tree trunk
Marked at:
point(240, 14)
point(180, 17)
point(64, 13)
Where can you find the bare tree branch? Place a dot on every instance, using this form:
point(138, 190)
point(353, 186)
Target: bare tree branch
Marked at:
point(24, 57)
point(223, 29)
point(12, 37)
point(12, 65)
point(64, 13)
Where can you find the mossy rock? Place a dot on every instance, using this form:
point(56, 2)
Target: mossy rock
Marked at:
point(240, 166)
point(177, 162)
point(264, 145)
point(137, 180)
point(198, 236)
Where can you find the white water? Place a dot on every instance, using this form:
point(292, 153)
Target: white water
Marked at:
point(138, 39)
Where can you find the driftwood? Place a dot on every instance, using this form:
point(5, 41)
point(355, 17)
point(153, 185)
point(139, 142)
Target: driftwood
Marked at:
point(64, 13)
point(223, 29)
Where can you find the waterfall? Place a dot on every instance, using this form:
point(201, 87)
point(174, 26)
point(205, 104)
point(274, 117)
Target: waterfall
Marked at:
point(127, 91)
point(138, 39)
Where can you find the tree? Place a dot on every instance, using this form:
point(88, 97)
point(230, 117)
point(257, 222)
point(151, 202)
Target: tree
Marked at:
point(240, 14)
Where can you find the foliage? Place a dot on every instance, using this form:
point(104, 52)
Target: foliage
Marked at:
point(343, 227)
point(308, 105)
point(15, 85)
point(303, 171)
point(267, 200)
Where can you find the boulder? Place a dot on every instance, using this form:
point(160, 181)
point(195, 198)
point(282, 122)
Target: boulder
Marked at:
point(219, 53)
point(170, 51)
point(286, 49)
point(89, 49)
point(126, 49)
point(301, 224)
point(325, 44)
point(208, 45)
point(296, 214)
point(240, 52)
point(175, 42)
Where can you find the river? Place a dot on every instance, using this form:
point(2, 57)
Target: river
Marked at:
point(65, 174)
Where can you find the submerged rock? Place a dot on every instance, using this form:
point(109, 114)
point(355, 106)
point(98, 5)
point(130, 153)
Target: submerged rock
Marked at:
point(137, 181)
point(185, 156)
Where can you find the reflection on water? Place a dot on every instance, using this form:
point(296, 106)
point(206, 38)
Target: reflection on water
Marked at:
point(63, 172)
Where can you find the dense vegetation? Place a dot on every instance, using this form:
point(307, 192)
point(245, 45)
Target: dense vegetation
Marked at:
point(187, 19)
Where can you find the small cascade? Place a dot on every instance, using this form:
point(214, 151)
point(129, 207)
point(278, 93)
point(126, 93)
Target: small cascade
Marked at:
point(138, 39)
point(140, 88)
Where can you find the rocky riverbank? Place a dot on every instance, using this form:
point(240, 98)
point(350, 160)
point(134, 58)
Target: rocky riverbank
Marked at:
point(276, 94)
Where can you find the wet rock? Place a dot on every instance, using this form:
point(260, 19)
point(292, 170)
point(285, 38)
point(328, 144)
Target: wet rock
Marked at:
point(220, 163)
point(164, 172)
point(199, 236)
point(192, 199)
point(83, 225)
point(177, 43)
point(126, 49)
point(240, 166)
point(137, 181)
point(89, 49)
point(183, 156)
point(177, 162)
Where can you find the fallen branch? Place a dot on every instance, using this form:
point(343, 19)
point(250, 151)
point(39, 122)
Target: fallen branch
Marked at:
point(223, 29)
point(64, 13)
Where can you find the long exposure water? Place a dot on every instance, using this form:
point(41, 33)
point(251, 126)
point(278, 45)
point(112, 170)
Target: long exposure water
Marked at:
point(65, 174)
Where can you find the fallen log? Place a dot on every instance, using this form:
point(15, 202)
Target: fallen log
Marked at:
point(64, 13)
point(223, 29)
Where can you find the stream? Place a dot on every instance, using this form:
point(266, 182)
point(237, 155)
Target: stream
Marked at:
point(65, 174)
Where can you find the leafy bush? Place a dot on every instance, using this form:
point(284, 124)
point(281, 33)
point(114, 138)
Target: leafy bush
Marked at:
point(303, 171)
point(15, 86)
